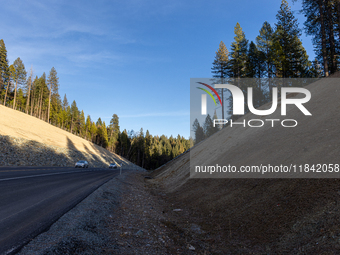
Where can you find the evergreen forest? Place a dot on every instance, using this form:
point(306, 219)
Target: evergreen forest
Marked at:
point(277, 52)
point(39, 97)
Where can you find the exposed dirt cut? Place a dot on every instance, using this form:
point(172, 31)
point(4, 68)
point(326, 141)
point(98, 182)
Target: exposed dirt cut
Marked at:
point(258, 215)
point(18, 125)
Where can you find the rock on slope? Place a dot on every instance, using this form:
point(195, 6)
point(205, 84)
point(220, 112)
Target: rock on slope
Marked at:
point(267, 215)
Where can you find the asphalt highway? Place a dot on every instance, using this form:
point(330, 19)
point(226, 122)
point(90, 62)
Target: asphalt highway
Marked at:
point(33, 198)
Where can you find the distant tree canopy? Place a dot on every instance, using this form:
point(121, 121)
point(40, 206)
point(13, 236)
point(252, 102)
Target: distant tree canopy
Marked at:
point(208, 128)
point(39, 97)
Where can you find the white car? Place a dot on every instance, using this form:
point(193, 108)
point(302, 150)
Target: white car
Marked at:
point(113, 165)
point(82, 163)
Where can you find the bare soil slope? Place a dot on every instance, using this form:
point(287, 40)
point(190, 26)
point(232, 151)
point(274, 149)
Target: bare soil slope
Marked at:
point(280, 216)
point(17, 124)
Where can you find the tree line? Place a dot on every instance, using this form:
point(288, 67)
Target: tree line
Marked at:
point(39, 97)
point(276, 53)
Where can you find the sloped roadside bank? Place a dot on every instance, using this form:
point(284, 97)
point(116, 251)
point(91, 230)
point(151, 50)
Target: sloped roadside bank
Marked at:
point(84, 229)
point(127, 215)
point(16, 151)
point(121, 217)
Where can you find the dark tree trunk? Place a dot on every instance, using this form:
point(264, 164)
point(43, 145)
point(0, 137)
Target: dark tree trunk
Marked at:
point(15, 93)
point(323, 37)
point(339, 18)
point(28, 96)
point(6, 93)
point(333, 66)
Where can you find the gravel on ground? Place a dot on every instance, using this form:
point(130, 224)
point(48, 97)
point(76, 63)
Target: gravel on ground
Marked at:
point(123, 216)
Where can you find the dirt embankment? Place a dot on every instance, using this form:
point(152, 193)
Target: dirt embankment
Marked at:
point(265, 216)
point(29, 141)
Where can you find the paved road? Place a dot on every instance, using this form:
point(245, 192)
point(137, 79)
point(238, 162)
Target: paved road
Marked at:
point(32, 198)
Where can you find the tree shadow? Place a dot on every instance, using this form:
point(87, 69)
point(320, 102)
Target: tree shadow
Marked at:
point(94, 157)
point(16, 151)
point(111, 157)
point(70, 144)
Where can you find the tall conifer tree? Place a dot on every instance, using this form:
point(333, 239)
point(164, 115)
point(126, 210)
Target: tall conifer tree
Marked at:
point(19, 76)
point(238, 54)
point(53, 82)
point(220, 68)
point(29, 83)
point(11, 74)
point(4, 71)
point(291, 59)
point(264, 43)
point(322, 22)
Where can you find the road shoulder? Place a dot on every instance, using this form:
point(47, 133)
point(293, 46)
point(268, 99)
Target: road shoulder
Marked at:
point(120, 217)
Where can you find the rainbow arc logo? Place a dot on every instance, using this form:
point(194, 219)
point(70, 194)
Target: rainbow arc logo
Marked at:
point(204, 97)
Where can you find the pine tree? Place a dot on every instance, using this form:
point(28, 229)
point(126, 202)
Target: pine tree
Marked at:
point(42, 89)
point(323, 19)
point(19, 77)
point(291, 59)
point(82, 127)
point(255, 66)
point(11, 74)
point(88, 124)
point(220, 68)
point(65, 103)
point(124, 143)
point(264, 43)
point(216, 128)
point(140, 149)
point(338, 12)
point(330, 17)
point(114, 132)
point(316, 70)
point(148, 139)
point(4, 71)
point(63, 113)
point(237, 67)
point(53, 82)
point(29, 83)
point(104, 136)
point(33, 95)
point(220, 63)
point(74, 116)
point(56, 109)
point(93, 132)
point(199, 132)
point(99, 122)
point(238, 54)
point(20, 100)
point(68, 119)
point(208, 126)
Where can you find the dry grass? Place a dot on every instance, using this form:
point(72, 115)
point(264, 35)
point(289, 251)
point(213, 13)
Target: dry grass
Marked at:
point(19, 124)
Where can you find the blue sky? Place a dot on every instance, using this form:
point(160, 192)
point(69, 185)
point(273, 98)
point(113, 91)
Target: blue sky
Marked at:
point(132, 58)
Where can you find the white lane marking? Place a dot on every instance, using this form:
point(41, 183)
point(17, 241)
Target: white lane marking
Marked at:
point(38, 175)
